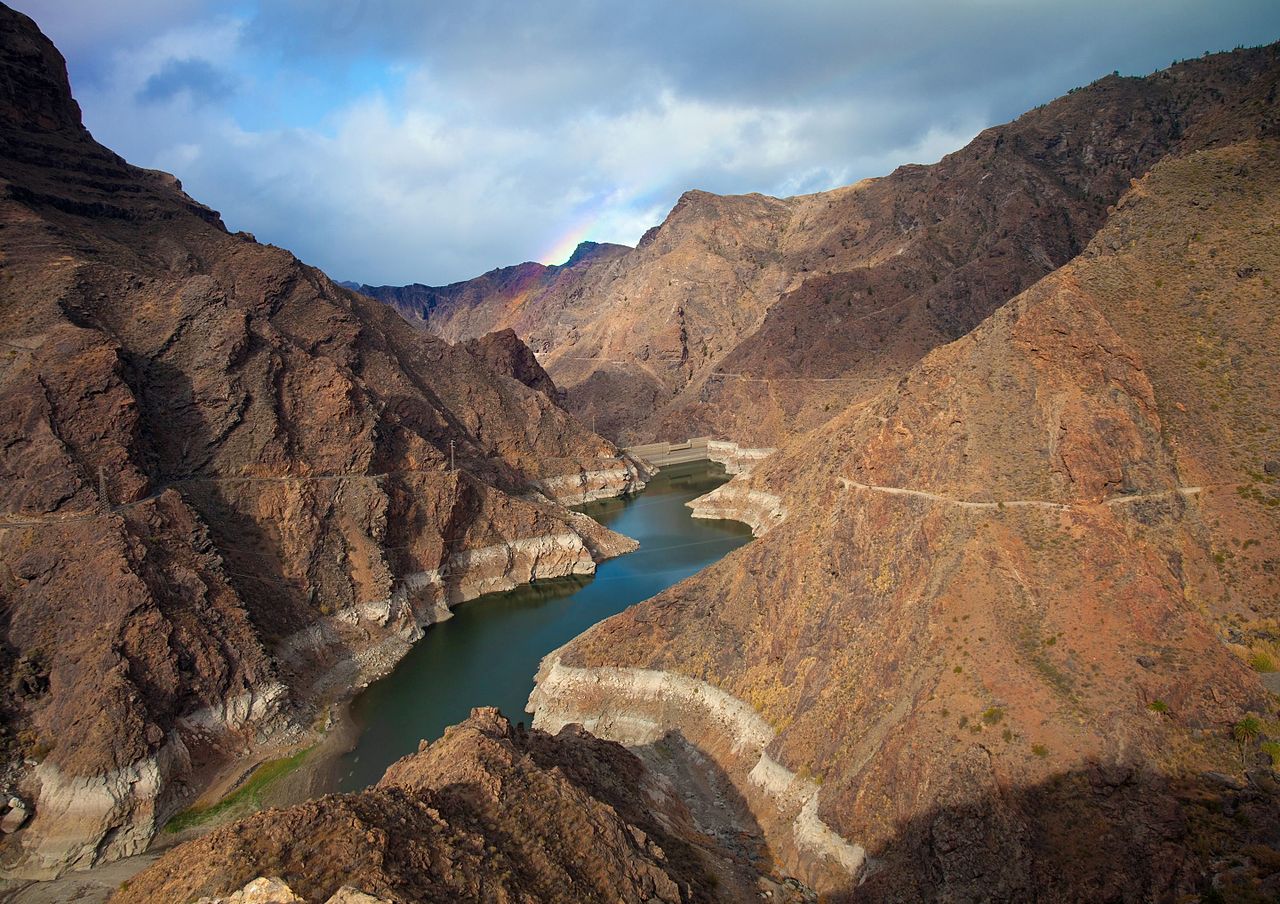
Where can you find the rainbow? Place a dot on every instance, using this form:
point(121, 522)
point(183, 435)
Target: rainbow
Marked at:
point(578, 232)
point(606, 216)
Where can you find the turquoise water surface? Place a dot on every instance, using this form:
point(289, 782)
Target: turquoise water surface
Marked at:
point(488, 653)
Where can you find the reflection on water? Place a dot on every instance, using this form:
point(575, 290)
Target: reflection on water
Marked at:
point(487, 654)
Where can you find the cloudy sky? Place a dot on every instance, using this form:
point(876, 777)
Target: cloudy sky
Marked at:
point(394, 141)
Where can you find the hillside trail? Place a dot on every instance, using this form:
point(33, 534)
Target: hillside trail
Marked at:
point(993, 505)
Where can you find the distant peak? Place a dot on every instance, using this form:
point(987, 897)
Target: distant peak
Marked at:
point(593, 250)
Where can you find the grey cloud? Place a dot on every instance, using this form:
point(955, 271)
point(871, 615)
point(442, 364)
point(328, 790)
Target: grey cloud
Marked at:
point(487, 124)
point(198, 79)
point(89, 32)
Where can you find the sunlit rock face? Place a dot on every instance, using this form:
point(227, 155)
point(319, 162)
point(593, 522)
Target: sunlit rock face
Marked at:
point(488, 812)
point(1010, 602)
point(749, 318)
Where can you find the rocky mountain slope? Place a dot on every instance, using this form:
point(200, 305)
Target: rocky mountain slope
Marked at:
point(751, 317)
point(1002, 633)
point(226, 493)
point(504, 353)
point(990, 645)
point(988, 652)
point(487, 813)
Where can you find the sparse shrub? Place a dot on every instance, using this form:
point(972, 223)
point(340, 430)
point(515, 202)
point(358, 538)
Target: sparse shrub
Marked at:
point(1040, 750)
point(957, 670)
point(993, 715)
point(1262, 662)
point(1158, 706)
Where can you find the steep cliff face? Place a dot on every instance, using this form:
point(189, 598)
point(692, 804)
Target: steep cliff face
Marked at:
point(226, 490)
point(751, 318)
point(987, 651)
point(487, 813)
point(504, 353)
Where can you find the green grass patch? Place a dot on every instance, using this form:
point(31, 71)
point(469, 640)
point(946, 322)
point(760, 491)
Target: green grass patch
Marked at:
point(1262, 662)
point(1272, 749)
point(243, 800)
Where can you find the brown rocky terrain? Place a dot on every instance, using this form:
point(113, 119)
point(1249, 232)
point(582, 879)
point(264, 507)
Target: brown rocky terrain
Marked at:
point(504, 353)
point(988, 647)
point(749, 318)
point(991, 647)
point(1002, 635)
point(487, 813)
point(226, 485)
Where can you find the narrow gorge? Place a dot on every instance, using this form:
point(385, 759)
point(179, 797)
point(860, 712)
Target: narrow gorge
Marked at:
point(915, 539)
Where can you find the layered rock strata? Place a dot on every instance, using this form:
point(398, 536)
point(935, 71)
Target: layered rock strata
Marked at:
point(230, 490)
point(998, 616)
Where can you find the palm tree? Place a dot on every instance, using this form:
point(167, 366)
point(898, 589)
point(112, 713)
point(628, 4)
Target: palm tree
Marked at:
point(1246, 731)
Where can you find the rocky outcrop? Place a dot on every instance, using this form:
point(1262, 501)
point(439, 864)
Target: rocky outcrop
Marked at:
point(226, 485)
point(627, 475)
point(504, 353)
point(736, 460)
point(736, 501)
point(488, 812)
point(275, 891)
point(995, 618)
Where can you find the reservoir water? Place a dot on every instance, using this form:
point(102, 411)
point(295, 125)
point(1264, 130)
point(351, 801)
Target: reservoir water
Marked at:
point(488, 653)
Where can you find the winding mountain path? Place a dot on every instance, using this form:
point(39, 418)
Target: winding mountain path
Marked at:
point(1014, 503)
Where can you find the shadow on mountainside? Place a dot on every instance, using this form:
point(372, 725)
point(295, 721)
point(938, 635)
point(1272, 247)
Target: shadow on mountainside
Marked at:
point(181, 441)
point(1108, 833)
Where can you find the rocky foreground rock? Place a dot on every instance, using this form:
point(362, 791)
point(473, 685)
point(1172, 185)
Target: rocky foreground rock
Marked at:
point(230, 491)
point(487, 813)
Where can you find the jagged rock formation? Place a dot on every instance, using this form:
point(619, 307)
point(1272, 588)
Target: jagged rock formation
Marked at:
point(265, 890)
point(226, 491)
point(984, 654)
point(487, 813)
point(505, 354)
point(751, 317)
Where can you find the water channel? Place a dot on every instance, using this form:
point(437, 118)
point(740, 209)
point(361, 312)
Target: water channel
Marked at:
point(488, 653)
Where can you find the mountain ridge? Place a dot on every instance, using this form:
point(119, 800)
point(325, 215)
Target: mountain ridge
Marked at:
point(992, 640)
point(229, 488)
point(750, 318)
